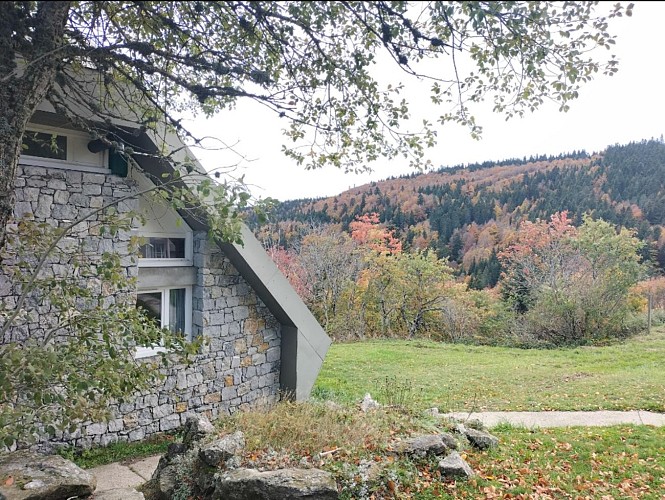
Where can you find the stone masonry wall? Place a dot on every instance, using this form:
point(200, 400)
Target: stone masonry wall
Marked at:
point(57, 197)
point(238, 368)
point(239, 365)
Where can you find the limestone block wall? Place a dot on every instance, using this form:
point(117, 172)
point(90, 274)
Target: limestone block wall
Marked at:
point(239, 365)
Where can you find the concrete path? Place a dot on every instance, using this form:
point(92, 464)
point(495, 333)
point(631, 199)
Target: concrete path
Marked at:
point(124, 475)
point(562, 418)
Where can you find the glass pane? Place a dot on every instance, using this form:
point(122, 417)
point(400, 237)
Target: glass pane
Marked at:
point(164, 248)
point(45, 145)
point(151, 303)
point(177, 310)
point(159, 248)
point(177, 248)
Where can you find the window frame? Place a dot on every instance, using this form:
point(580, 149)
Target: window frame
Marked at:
point(189, 250)
point(69, 163)
point(145, 352)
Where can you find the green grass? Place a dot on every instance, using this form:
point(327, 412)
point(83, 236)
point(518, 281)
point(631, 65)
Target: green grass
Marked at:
point(454, 377)
point(118, 452)
point(578, 462)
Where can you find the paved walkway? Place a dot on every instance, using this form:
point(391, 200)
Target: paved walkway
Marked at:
point(562, 418)
point(124, 475)
point(131, 475)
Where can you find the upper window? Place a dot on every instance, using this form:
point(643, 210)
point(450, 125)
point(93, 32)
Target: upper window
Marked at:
point(44, 145)
point(164, 250)
point(61, 148)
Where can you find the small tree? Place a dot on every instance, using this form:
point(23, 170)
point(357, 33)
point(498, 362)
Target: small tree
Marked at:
point(571, 285)
point(331, 262)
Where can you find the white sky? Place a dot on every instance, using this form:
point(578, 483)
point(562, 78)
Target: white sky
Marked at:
point(629, 106)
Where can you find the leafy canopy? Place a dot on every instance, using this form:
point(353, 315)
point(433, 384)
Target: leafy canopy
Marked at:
point(314, 63)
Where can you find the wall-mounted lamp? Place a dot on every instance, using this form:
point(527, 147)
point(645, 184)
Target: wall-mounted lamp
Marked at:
point(97, 146)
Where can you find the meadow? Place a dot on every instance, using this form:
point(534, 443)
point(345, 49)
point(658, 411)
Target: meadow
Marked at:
point(456, 377)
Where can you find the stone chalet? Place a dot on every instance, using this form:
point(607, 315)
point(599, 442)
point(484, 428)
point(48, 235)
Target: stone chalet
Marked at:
point(262, 338)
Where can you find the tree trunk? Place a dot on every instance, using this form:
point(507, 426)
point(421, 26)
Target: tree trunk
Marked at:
point(24, 83)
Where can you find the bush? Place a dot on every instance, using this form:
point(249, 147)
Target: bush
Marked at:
point(572, 286)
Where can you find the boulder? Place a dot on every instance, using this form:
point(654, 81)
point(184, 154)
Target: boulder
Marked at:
point(449, 440)
point(480, 439)
point(454, 466)
point(249, 484)
point(181, 456)
point(368, 403)
point(27, 475)
point(429, 444)
point(166, 481)
point(196, 428)
point(119, 494)
point(174, 450)
point(220, 450)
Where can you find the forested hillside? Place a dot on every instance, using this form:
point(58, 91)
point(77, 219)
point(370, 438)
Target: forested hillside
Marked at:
point(469, 214)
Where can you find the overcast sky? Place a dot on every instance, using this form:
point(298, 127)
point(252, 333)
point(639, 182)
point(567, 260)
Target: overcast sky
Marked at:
point(629, 106)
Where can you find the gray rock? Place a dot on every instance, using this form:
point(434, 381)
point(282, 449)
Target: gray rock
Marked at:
point(480, 439)
point(175, 449)
point(449, 440)
point(39, 476)
point(368, 403)
point(420, 446)
point(245, 484)
point(460, 429)
point(222, 449)
point(195, 429)
point(166, 481)
point(119, 494)
point(454, 466)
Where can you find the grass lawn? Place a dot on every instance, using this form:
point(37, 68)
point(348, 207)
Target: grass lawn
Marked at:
point(454, 377)
point(578, 462)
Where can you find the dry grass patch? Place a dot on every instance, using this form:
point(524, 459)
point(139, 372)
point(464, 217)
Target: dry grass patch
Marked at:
point(307, 429)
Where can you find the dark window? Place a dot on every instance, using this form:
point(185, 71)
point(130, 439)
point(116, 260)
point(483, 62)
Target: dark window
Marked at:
point(164, 248)
point(151, 304)
point(44, 145)
point(177, 310)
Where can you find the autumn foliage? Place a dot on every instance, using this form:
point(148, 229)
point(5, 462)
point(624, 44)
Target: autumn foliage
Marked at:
point(571, 285)
point(562, 284)
point(367, 232)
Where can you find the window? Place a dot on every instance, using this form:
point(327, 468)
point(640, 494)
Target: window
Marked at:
point(166, 250)
point(163, 248)
point(61, 148)
point(44, 145)
point(170, 308)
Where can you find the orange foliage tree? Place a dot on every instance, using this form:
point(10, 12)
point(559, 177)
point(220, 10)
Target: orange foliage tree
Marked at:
point(368, 232)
